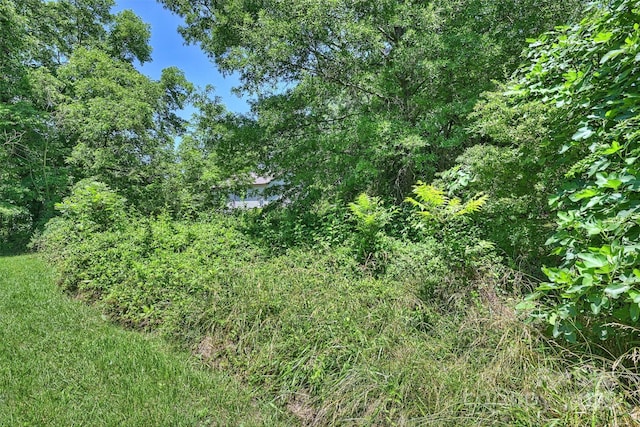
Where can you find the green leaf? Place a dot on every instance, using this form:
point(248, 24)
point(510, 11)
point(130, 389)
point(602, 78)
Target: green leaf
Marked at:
point(571, 336)
point(596, 200)
point(596, 303)
point(611, 54)
point(547, 286)
point(615, 147)
point(603, 37)
point(598, 165)
point(525, 305)
point(616, 289)
point(565, 216)
point(634, 312)
point(577, 289)
point(607, 182)
point(556, 275)
point(592, 260)
point(582, 134)
point(602, 332)
point(606, 269)
point(567, 310)
point(593, 228)
point(556, 330)
point(635, 296)
point(584, 194)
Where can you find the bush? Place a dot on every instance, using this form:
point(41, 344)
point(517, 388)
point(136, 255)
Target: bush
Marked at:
point(93, 207)
point(15, 228)
point(516, 214)
point(590, 73)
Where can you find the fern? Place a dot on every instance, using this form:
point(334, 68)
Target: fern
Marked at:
point(474, 205)
point(370, 217)
point(432, 203)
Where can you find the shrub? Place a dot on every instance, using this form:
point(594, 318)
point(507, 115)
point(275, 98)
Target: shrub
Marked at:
point(15, 227)
point(590, 73)
point(93, 207)
point(449, 221)
point(517, 182)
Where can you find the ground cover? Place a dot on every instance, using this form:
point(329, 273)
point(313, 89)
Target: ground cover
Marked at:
point(61, 363)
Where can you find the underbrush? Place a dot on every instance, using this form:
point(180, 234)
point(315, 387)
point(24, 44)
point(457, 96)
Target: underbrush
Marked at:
point(417, 343)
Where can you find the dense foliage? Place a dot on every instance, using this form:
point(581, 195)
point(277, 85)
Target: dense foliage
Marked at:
point(73, 106)
point(418, 150)
point(329, 340)
point(590, 73)
point(362, 96)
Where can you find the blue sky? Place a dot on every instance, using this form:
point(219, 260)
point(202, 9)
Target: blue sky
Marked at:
point(169, 50)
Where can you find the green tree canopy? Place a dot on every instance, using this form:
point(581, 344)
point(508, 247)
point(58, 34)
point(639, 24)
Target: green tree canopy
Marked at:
point(73, 106)
point(355, 96)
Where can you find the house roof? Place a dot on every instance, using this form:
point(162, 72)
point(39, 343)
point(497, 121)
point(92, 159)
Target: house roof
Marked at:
point(254, 179)
point(260, 180)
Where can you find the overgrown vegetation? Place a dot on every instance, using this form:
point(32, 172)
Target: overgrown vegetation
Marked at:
point(418, 162)
point(331, 337)
point(590, 73)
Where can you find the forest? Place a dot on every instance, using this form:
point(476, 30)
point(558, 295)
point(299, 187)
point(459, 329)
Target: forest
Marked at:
point(456, 234)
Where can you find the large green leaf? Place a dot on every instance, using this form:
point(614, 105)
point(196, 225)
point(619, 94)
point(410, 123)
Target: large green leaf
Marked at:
point(603, 37)
point(584, 194)
point(616, 289)
point(592, 260)
point(582, 133)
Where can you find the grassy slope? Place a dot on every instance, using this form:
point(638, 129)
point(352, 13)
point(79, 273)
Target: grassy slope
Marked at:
point(61, 364)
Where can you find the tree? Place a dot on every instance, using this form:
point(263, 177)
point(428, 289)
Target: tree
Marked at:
point(363, 96)
point(128, 38)
point(122, 123)
point(72, 106)
point(28, 147)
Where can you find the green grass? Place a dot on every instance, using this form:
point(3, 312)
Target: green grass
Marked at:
point(61, 363)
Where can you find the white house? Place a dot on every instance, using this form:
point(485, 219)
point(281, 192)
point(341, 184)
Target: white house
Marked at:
point(255, 196)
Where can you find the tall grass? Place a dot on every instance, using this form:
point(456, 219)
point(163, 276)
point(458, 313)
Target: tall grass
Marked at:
point(420, 344)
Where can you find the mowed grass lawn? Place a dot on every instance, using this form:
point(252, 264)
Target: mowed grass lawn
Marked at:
point(62, 364)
